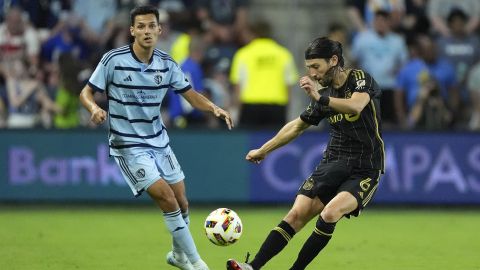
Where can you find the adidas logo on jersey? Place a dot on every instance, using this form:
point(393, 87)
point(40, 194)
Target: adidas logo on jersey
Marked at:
point(127, 79)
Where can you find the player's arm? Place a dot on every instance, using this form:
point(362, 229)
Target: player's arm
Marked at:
point(98, 115)
point(202, 103)
point(352, 105)
point(286, 134)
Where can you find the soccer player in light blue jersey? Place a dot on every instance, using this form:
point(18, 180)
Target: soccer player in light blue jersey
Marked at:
point(135, 79)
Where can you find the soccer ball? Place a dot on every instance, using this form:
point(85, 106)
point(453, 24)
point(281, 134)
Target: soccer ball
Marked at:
point(223, 227)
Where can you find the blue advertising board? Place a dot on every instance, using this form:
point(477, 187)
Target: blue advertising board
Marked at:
point(427, 168)
point(75, 166)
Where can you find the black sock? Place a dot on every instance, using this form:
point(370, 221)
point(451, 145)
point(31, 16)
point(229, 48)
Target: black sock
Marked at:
point(275, 242)
point(315, 243)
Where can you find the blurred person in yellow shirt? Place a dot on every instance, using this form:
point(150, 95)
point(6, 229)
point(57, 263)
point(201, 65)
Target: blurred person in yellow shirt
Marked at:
point(262, 74)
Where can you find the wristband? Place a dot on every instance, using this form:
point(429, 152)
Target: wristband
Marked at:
point(324, 100)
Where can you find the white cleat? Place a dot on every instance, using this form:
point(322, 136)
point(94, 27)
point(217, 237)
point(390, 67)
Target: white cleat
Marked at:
point(200, 265)
point(184, 265)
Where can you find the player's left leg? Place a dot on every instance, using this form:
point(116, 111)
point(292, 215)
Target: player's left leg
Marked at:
point(302, 211)
point(340, 205)
point(354, 194)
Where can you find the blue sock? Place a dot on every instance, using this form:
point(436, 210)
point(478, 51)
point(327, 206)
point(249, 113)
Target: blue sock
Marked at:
point(177, 250)
point(181, 234)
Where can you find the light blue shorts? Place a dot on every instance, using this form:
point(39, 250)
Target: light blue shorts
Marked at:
point(141, 170)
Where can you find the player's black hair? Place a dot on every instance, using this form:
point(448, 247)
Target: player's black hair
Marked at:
point(325, 48)
point(143, 10)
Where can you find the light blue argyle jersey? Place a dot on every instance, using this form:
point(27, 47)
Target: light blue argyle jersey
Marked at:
point(135, 91)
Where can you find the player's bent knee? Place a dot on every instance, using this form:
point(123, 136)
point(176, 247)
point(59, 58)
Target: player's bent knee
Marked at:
point(296, 219)
point(183, 203)
point(331, 214)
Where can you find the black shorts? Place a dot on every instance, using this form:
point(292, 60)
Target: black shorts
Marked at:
point(331, 178)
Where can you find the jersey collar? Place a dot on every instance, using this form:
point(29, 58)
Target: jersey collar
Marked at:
point(136, 58)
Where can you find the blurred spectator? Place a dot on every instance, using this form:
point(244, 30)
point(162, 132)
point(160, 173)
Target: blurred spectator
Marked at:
point(68, 36)
point(415, 20)
point(28, 100)
point(18, 40)
point(44, 14)
point(474, 88)
point(462, 51)
point(117, 34)
point(169, 36)
point(67, 98)
point(338, 32)
point(182, 114)
point(262, 73)
point(381, 53)
point(429, 112)
point(95, 13)
point(438, 11)
point(362, 12)
point(424, 75)
point(176, 42)
point(223, 20)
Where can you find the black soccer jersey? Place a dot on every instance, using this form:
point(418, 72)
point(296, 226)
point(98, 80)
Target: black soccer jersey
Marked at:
point(356, 138)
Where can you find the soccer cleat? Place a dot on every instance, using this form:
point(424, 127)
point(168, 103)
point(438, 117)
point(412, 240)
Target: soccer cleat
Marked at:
point(184, 265)
point(200, 265)
point(234, 265)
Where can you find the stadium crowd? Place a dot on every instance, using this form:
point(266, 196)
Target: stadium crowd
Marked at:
point(424, 55)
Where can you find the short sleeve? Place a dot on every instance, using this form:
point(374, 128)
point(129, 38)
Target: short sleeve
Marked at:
point(178, 80)
point(363, 83)
point(100, 77)
point(313, 114)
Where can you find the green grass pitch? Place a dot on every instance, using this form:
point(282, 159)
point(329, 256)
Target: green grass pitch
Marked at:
point(126, 238)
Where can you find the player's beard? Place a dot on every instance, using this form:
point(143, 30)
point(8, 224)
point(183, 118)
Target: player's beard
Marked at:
point(328, 77)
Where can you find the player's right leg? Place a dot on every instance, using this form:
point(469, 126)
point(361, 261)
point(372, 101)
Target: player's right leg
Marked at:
point(177, 256)
point(303, 210)
point(171, 172)
point(164, 196)
point(141, 173)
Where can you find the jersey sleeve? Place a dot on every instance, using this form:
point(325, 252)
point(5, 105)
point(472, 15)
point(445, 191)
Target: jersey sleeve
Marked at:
point(313, 114)
point(178, 80)
point(102, 75)
point(364, 83)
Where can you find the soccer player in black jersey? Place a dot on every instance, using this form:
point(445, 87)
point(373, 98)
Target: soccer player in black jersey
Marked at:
point(347, 177)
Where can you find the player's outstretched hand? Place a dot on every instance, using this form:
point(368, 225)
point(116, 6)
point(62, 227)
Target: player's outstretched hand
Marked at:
point(255, 156)
point(221, 113)
point(307, 84)
point(98, 116)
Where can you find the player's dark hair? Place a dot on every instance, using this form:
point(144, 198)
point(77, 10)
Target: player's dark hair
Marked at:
point(143, 10)
point(325, 48)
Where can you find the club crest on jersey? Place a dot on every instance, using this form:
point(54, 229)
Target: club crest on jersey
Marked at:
point(140, 173)
point(158, 79)
point(308, 185)
point(360, 84)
